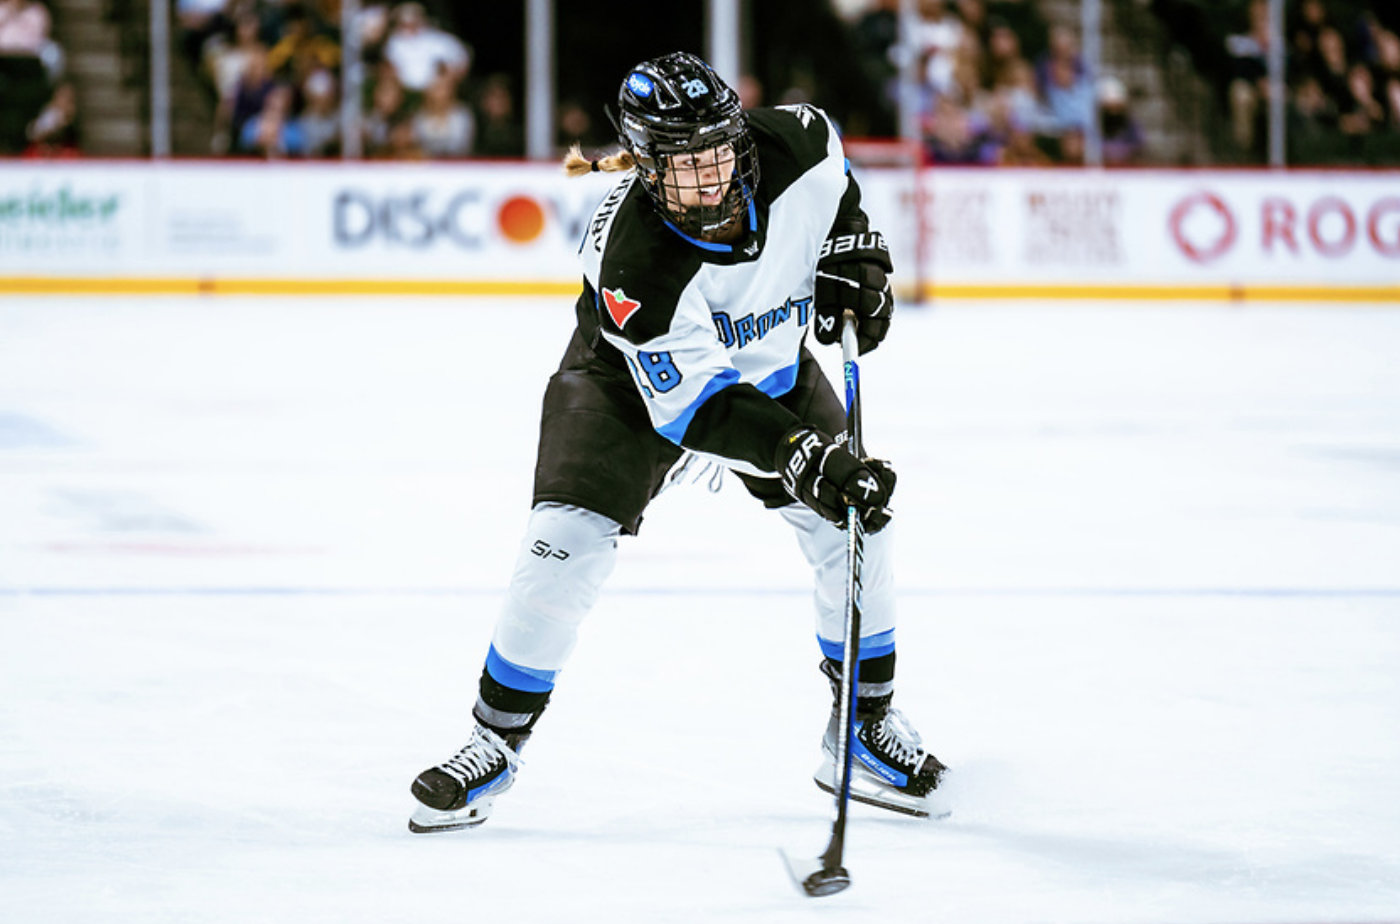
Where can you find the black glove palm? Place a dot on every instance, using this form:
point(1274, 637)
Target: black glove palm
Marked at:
point(820, 473)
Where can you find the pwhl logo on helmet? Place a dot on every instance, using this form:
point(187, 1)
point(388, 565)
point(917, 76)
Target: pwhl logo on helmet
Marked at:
point(640, 84)
point(620, 307)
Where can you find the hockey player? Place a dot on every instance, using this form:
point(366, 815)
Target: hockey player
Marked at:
point(702, 275)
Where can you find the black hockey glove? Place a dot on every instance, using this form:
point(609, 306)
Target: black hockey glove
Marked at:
point(821, 474)
point(851, 276)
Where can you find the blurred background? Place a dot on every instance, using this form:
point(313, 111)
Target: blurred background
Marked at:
point(963, 82)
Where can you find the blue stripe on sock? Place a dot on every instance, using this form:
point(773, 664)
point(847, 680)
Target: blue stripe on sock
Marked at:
point(528, 679)
point(875, 646)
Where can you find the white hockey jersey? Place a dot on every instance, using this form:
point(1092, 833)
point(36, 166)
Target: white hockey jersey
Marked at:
point(712, 333)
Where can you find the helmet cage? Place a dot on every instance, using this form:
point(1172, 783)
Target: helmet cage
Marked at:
point(688, 134)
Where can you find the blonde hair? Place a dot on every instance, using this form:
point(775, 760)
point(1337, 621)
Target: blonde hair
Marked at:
point(575, 164)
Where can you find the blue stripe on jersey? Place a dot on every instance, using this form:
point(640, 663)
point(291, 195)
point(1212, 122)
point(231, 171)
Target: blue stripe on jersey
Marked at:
point(528, 679)
point(675, 430)
point(876, 646)
point(780, 382)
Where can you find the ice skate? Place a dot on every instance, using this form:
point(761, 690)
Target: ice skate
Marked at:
point(461, 792)
point(890, 769)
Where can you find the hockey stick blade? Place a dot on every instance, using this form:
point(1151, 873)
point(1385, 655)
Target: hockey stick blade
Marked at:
point(813, 877)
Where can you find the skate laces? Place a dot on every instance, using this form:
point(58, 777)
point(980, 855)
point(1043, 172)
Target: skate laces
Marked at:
point(482, 754)
point(897, 738)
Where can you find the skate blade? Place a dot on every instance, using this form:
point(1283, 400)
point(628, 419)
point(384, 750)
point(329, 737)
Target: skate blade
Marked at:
point(427, 820)
point(869, 790)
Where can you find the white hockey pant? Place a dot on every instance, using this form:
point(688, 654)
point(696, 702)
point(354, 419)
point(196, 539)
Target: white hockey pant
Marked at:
point(565, 557)
point(824, 545)
point(568, 553)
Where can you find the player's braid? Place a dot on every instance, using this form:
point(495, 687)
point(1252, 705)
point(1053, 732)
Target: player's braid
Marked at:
point(575, 164)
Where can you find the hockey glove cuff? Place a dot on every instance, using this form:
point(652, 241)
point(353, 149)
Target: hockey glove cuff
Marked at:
point(820, 473)
point(852, 275)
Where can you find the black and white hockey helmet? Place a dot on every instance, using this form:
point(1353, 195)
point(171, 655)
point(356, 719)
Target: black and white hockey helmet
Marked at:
point(687, 131)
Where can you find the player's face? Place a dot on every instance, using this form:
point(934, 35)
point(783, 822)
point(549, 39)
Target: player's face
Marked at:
point(700, 178)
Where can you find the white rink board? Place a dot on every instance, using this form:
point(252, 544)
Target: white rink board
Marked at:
point(513, 228)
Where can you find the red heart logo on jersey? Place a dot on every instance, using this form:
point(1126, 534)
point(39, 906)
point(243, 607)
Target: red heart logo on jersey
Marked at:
point(619, 306)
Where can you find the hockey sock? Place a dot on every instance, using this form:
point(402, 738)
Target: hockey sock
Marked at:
point(509, 712)
point(874, 686)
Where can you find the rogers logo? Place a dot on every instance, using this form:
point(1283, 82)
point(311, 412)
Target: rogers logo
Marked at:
point(1203, 227)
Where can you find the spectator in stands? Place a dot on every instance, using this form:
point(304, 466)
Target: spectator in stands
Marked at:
point(875, 39)
point(1311, 18)
point(254, 86)
point(401, 142)
point(1329, 65)
point(273, 133)
point(1312, 134)
point(443, 126)
point(320, 115)
point(1248, 78)
point(418, 50)
point(573, 125)
point(1120, 134)
point(952, 138)
point(1386, 73)
point(969, 64)
point(55, 133)
point(992, 123)
point(1063, 50)
point(24, 80)
point(1003, 53)
point(1069, 97)
point(1017, 83)
point(1021, 149)
point(388, 102)
point(1023, 19)
point(197, 22)
point(937, 37)
point(25, 27)
point(302, 46)
point(498, 130)
point(1070, 149)
point(227, 58)
point(1361, 113)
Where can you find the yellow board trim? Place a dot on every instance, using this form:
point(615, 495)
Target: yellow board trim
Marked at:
point(1125, 292)
point(67, 285)
point(40, 285)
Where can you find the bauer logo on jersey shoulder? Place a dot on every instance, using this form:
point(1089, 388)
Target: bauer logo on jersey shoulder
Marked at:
point(620, 307)
point(640, 84)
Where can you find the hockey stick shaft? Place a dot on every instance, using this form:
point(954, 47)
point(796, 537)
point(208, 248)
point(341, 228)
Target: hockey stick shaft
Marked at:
point(824, 875)
point(855, 549)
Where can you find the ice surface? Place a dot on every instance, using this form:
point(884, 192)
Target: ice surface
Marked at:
point(250, 553)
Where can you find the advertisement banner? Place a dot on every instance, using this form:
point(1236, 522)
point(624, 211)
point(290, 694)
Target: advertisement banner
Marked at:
point(241, 226)
point(1157, 234)
point(504, 228)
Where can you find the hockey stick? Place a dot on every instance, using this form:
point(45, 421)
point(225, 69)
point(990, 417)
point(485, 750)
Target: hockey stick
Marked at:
point(825, 875)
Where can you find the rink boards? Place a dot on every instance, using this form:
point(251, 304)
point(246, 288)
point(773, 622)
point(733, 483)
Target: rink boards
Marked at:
point(505, 229)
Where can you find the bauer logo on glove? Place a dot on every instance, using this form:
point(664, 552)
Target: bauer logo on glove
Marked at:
point(821, 474)
point(852, 275)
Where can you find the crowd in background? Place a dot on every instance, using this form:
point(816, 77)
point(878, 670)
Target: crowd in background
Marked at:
point(274, 72)
point(997, 85)
point(38, 108)
point(1342, 60)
